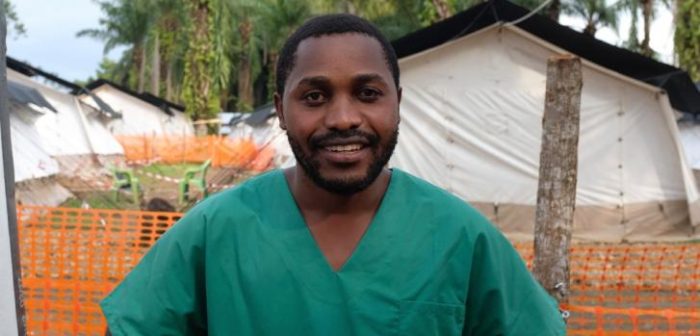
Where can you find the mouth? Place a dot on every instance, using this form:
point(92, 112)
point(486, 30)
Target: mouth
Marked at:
point(344, 148)
point(345, 153)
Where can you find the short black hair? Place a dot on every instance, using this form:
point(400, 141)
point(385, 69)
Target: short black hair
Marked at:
point(330, 25)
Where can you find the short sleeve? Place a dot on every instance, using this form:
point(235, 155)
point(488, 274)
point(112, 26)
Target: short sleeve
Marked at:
point(503, 297)
point(164, 294)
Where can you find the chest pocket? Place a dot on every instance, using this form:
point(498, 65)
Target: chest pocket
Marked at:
point(427, 318)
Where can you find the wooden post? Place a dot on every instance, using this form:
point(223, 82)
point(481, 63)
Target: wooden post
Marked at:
point(556, 195)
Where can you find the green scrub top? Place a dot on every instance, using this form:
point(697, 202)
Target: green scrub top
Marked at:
point(243, 262)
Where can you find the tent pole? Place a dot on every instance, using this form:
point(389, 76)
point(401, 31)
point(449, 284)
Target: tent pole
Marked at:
point(11, 304)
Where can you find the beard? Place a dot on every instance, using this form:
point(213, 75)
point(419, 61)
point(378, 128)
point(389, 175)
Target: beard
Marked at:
point(344, 186)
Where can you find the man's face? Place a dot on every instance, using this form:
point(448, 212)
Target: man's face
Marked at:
point(341, 111)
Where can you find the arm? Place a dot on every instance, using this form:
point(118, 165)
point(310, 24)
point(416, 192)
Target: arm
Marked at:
point(503, 297)
point(164, 294)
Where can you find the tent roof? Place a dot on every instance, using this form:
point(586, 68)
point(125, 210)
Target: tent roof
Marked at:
point(162, 104)
point(31, 71)
point(682, 92)
point(260, 115)
point(23, 94)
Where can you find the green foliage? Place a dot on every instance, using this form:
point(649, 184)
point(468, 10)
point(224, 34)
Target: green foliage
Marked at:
point(15, 26)
point(687, 37)
point(198, 82)
point(211, 65)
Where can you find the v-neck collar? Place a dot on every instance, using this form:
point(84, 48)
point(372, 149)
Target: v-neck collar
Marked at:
point(296, 218)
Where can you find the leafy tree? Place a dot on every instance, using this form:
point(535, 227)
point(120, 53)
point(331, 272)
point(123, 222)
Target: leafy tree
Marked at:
point(687, 37)
point(198, 82)
point(127, 23)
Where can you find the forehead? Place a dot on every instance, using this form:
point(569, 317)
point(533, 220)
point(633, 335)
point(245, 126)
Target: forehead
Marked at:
point(339, 54)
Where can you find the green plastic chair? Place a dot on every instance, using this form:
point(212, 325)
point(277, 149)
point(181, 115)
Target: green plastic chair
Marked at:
point(123, 178)
point(196, 176)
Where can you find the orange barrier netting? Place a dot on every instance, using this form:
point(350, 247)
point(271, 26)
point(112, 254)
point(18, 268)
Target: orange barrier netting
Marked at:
point(223, 151)
point(639, 289)
point(71, 258)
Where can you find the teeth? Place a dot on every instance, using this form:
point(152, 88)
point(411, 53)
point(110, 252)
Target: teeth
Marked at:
point(344, 148)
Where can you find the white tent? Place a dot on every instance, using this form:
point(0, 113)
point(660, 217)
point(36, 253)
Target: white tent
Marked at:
point(262, 126)
point(35, 170)
point(471, 122)
point(690, 136)
point(141, 114)
point(73, 135)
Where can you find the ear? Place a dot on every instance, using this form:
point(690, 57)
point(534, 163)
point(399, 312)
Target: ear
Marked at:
point(398, 94)
point(279, 110)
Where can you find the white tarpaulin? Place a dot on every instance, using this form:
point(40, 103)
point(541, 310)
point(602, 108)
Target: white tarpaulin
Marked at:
point(69, 130)
point(690, 136)
point(471, 122)
point(139, 117)
point(29, 158)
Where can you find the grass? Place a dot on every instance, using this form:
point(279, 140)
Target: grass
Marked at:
point(101, 200)
point(174, 170)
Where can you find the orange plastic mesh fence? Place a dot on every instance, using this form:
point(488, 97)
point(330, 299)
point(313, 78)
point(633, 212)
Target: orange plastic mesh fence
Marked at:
point(71, 258)
point(223, 151)
point(632, 289)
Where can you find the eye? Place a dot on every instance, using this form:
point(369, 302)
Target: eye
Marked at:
point(314, 98)
point(369, 94)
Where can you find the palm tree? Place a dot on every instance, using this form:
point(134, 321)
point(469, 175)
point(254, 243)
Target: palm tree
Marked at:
point(199, 59)
point(278, 19)
point(127, 23)
point(597, 13)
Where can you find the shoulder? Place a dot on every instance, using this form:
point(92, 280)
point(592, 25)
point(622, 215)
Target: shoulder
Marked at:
point(238, 204)
point(445, 207)
point(253, 193)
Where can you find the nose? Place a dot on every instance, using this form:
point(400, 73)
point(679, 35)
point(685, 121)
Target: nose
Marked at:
point(343, 114)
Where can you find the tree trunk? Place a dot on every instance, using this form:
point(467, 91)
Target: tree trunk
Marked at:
point(198, 61)
point(590, 29)
point(553, 10)
point(349, 7)
point(245, 85)
point(155, 67)
point(556, 194)
point(169, 82)
point(142, 68)
point(647, 7)
point(442, 9)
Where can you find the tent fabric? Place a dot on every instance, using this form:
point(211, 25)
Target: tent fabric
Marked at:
point(690, 135)
point(30, 159)
point(261, 115)
point(139, 116)
point(471, 123)
point(166, 106)
point(682, 92)
point(68, 131)
point(26, 95)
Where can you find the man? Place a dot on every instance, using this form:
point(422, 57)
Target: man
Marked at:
point(339, 244)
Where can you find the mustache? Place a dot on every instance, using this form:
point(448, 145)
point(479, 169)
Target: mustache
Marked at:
point(318, 141)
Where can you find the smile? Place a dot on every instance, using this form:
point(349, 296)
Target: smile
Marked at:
point(344, 148)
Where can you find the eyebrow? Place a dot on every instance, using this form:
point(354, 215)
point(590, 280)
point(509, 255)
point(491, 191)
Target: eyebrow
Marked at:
point(325, 81)
point(372, 77)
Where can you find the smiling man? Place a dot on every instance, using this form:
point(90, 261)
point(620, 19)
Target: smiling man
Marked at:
point(339, 244)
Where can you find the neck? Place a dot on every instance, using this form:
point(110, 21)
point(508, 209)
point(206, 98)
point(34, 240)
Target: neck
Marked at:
point(312, 198)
